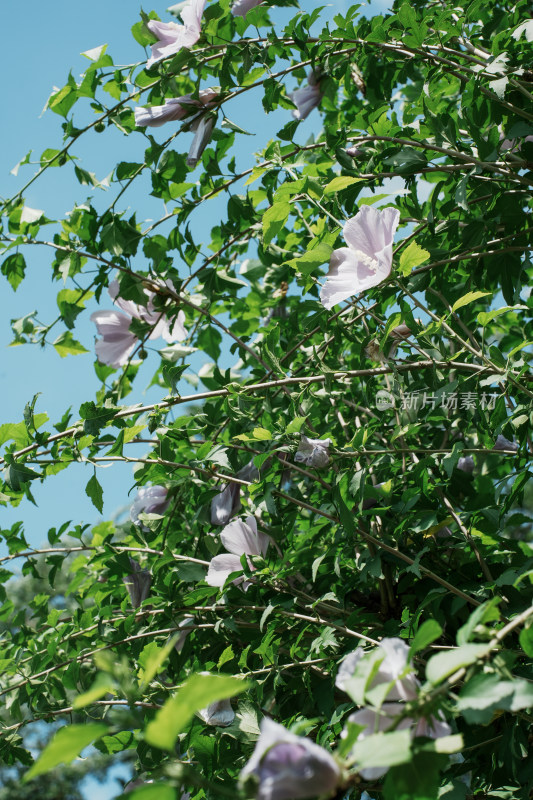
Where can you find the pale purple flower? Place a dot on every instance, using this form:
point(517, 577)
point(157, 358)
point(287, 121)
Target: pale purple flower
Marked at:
point(502, 443)
point(466, 464)
point(228, 501)
point(289, 767)
point(368, 258)
point(385, 719)
point(391, 670)
point(173, 109)
point(219, 714)
point(241, 7)
point(138, 583)
point(354, 152)
point(117, 342)
point(160, 323)
point(149, 500)
point(313, 452)
point(239, 538)
point(306, 98)
point(513, 145)
point(172, 37)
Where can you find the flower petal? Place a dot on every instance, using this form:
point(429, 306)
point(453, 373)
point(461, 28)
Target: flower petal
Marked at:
point(238, 537)
point(117, 341)
point(224, 504)
point(348, 274)
point(372, 230)
point(241, 7)
point(221, 567)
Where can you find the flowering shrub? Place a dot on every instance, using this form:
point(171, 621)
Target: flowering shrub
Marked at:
point(323, 589)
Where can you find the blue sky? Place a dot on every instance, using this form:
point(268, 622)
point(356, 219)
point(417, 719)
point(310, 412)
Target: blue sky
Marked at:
point(42, 41)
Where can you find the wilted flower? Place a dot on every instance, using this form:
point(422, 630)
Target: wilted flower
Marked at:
point(289, 767)
point(502, 443)
point(203, 128)
point(368, 258)
point(354, 152)
point(138, 583)
point(219, 713)
point(228, 501)
point(149, 500)
point(466, 464)
point(239, 538)
point(401, 332)
point(173, 109)
point(313, 452)
point(390, 671)
point(374, 352)
point(384, 719)
point(186, 624)
point(241, 7)
point(172, 37)
point(117, 342)
point(306, 98)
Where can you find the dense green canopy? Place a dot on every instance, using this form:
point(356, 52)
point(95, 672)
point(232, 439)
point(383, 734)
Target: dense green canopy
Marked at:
point(357, 445)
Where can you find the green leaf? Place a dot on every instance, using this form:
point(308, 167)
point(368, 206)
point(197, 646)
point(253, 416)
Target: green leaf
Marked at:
point(340, 183)
point(16, 475)
point(95, 418)
point(412, 257)
point(152, 660)
point(383, 749)
point(96, 493)
point(487, 612)
point(274, 219)
point(468, 298)
point(62, 101)
point(526, 641)
point(14, 268)
point(484, 317)
point(257, 435)
point(102, 685)
point(196, 693)
point(313, 258)
point(407, 161)
point(418, 780)
point(295, 425)
point(261, 434)
point(66, 345)
point(117, 446)
point(16, 431)
point(442, 665)
point(155, 792)
point(67, 743)
point(428, 632)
